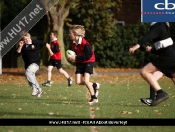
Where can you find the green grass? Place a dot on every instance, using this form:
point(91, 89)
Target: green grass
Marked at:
point(119, 98)
point(63, 102)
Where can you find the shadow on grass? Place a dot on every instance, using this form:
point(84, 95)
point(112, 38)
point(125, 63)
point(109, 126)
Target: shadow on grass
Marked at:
point(14, 97)
point(34, 99)
point(122, 105)
point(35, 115)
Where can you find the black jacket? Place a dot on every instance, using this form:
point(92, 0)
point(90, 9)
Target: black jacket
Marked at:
point(158, 31)
point(31, 53)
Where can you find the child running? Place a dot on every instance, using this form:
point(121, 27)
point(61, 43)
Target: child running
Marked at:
point(159, 33)
point(85, 59)
point(29, 49)
point(55, 59)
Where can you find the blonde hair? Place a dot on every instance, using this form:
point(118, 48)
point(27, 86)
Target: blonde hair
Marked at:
point(27, 35)
point(77, 30)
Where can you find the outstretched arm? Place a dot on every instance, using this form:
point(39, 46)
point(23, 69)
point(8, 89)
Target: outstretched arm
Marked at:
point(150, 35)
point(135, 47)
point(21, 43)
point(49, 49)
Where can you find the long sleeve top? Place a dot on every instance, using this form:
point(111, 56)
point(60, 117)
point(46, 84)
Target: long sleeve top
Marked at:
point(31, 52)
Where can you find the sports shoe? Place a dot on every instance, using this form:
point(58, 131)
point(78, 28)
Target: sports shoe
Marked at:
point(46, 84)
point(34, 92)
point(69, 81)
point(93, 100)
point(39, 93)
point(173, 79)
point(147, 101)
point(160, 97)
point(96, 89)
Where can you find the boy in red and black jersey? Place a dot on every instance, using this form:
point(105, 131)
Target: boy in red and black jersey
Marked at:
point(55, 59)
point(85, 59)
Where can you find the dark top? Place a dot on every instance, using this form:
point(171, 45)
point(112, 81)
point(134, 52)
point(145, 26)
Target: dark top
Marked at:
point(31, 53)
point(88, 53)
point(158, 31)
point(166, 55)
point(84, 51)
point(55, 48)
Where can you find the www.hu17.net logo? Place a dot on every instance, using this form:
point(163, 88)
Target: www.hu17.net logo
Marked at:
point(165, 6)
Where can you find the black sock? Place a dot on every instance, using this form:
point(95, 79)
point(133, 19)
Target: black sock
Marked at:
point(152, 93)
point(93, 97)
point(160, 91)
point(48, 81)
point(94, 85)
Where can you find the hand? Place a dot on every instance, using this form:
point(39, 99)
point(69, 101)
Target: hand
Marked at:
point(135, 47)
point(131, 50)
point(48, 46)
point(32, 46)
point(148, 48)
point(21, 43)
point(72, 58)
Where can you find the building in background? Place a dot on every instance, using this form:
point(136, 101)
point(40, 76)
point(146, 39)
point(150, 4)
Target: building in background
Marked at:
point(129, 13)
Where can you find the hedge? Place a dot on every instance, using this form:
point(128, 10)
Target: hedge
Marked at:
point(112, 52)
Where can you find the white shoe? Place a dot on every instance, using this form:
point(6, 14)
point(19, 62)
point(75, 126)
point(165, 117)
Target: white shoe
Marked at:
point(98, 86)
point(46, 84)
point(92, 101)
point(69, 81)
point(97, 89)
point(34, 92)
point(39, 93)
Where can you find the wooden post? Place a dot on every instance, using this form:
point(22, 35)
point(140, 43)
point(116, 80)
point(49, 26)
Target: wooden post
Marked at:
point(0, 53)
point(0, 64)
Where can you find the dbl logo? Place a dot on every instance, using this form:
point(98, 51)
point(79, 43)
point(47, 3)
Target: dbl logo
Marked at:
point(165, 6)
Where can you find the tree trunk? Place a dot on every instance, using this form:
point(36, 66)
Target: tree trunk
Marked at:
point(55, 20)
point(64, 61)
point(46, 37)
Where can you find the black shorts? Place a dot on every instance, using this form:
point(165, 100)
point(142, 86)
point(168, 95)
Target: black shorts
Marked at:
point(167, 74)
point(82, 68)
point(165, 61)
point(54, 63)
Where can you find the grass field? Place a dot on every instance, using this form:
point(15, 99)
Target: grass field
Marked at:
point(118, 98)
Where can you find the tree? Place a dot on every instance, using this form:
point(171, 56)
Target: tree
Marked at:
point(9, 10)
point(55, 21)
point(98, 18)
point(95, 15)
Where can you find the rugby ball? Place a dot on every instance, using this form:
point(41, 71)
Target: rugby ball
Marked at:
point(69, 53)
